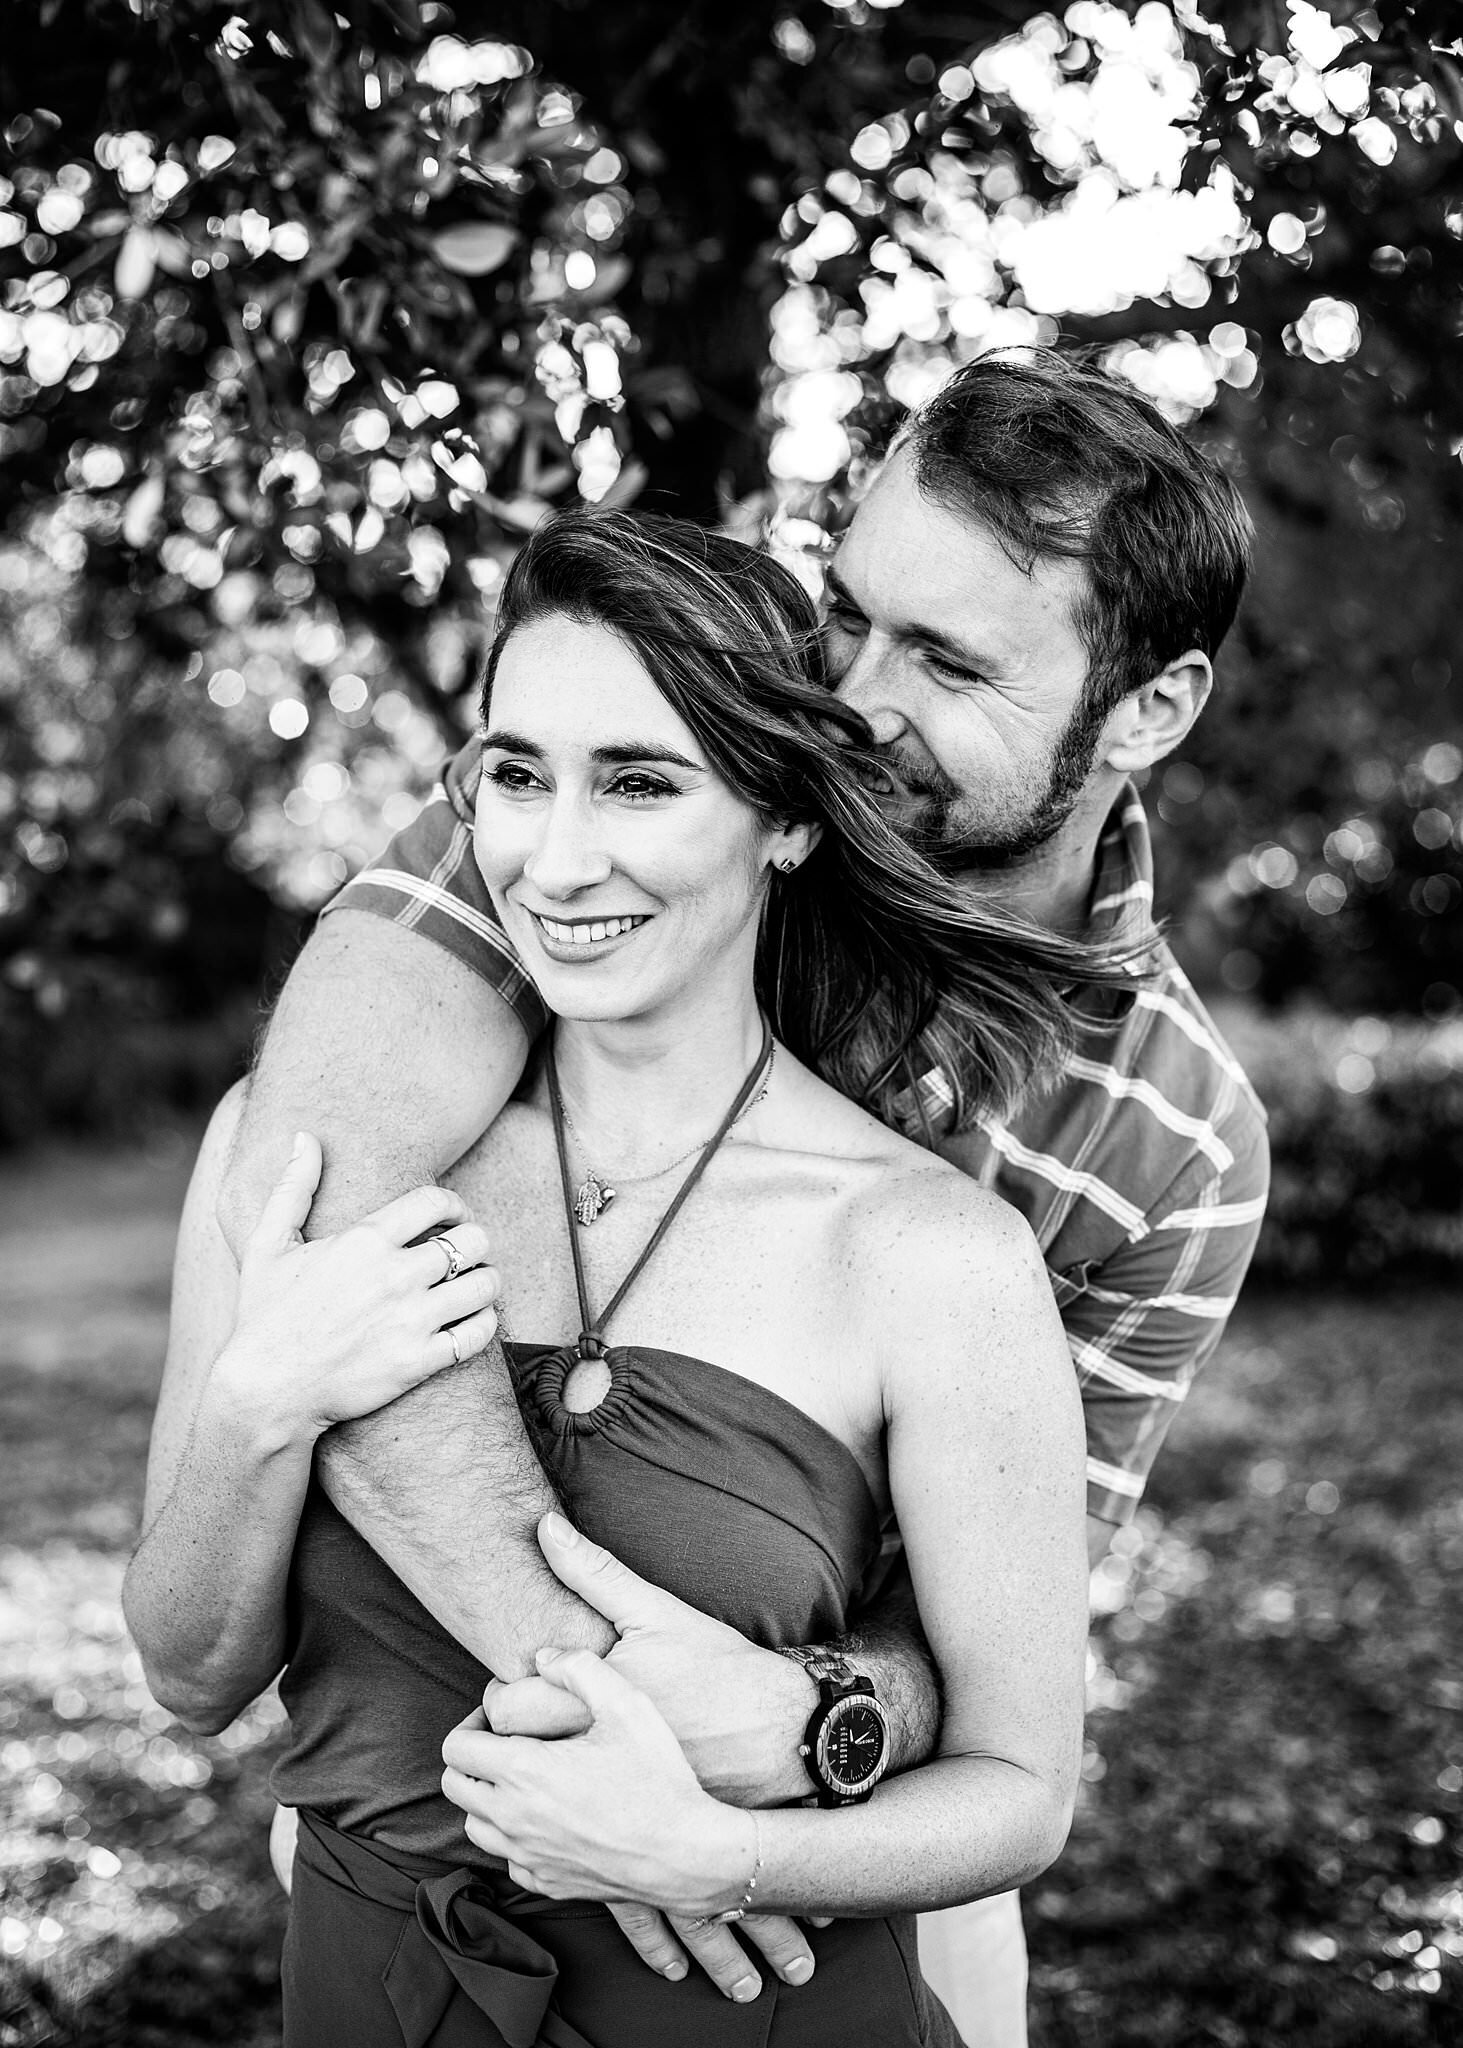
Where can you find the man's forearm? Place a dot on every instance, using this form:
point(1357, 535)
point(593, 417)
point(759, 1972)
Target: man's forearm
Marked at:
point(445, 1487)
point(889, 1647)
point(396, 1057)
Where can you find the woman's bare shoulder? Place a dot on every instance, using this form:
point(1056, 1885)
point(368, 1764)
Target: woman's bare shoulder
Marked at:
point(945, 1265)
point(903, 1197)
point(923, 1203)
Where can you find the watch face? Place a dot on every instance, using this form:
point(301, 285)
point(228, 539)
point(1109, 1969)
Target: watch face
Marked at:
point(852, 1745)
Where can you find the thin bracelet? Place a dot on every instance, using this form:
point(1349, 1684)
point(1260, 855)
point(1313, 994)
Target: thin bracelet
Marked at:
point(744, 1905)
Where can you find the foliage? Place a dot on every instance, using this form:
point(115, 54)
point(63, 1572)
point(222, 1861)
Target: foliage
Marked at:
point(1319, 776)
point(305, 320)
point(1275, 1786)
point(309, 317)
point(1366, 1142)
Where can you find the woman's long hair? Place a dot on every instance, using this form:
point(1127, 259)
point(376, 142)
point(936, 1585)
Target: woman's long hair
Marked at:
point(873, 967)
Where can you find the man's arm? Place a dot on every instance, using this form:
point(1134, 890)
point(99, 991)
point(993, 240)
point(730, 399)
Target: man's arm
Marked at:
point(1152, 1315)
point(396, 1056)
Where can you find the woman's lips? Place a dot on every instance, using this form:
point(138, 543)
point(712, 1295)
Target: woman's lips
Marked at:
point(585, 932)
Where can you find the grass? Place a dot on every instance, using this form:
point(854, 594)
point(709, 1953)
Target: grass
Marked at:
point(1267, 1847)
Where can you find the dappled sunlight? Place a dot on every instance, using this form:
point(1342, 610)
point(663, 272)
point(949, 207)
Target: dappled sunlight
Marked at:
point(1291, 1606)
point(112, 1817)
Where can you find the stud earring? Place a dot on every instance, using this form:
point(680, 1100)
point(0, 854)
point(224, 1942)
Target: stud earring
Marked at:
point(787, 867)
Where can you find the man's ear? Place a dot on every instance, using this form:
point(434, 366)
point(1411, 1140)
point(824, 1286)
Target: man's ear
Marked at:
point(1151, 721)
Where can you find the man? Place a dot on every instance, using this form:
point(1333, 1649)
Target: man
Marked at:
point(1025, 608)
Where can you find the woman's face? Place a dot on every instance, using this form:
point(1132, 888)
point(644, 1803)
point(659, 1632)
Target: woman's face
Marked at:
point(624, 870)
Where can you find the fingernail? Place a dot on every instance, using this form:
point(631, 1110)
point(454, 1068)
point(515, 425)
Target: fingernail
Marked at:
point(301, 1139)
point(549, 1656)
point(745, 1989)
point(799, 1970)
point(559, 1529)
point(675, 1971)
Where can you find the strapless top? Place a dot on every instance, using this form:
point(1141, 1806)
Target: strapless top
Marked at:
point(718, 1490)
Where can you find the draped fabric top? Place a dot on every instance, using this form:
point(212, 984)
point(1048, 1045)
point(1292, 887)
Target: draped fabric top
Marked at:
point(714, 1488)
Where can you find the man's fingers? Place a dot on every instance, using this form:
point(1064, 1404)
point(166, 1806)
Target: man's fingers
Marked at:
point(649, 1935)
point(531, 1706)
point(783, 1944)
point(720, 1955)
point(282, 1219)
point(596, 1575)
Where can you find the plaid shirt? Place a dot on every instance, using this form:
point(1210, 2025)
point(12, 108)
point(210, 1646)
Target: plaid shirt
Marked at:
point(1143, 1171)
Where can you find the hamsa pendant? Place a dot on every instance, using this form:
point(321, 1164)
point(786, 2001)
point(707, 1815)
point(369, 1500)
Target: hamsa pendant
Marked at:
point(593, 1197)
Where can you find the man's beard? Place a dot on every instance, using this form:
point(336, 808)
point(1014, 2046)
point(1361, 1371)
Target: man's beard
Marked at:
point(944, 822)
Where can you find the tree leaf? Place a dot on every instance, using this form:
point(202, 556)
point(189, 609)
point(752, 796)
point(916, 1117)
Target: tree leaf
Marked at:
point(610, 273)
point(473, 248)
point(315, 32)
point(136, 263)
point(143, 509)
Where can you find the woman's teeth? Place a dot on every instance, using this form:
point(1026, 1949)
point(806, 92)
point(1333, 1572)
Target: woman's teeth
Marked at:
point(588, 934)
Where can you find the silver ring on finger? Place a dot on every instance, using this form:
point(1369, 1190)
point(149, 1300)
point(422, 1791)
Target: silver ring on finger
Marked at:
point(451, 1336)
point(727, 1919)
point(453, 1256)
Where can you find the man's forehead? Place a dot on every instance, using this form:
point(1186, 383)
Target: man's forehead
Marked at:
point(922, 568)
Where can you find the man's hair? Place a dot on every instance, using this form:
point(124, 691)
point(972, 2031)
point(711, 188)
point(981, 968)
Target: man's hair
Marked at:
point(1058, 459)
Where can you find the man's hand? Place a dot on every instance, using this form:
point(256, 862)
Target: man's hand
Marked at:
point(712, 1686)
point(737, 1711)
point(664, 1940)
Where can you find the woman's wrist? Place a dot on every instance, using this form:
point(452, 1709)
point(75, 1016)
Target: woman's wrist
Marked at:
point(248, 1398)
point(729, 1861)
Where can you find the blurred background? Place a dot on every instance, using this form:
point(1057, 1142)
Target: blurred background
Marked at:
point(307, 315)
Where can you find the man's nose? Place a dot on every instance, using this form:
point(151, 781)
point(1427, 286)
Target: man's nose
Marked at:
point(865, 686)
point(569, 854)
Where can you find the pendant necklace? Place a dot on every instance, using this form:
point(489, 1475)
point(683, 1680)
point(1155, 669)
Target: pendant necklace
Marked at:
point(590, 1345)
point(594, 1193)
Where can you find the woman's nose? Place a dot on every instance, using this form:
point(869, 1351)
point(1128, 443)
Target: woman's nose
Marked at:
point(568, 855)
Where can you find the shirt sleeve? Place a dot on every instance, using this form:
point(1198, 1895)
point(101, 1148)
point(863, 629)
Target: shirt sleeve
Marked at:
point(1142, 1323)
point(428, 881)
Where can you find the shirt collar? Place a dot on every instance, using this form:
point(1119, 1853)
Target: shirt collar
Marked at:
point(1121, 905)
point(1119, 910)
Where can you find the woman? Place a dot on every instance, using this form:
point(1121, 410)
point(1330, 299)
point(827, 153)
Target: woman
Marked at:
point(815, 1322)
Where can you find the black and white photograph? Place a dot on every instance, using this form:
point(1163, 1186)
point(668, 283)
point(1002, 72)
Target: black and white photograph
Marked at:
point(731, 1024)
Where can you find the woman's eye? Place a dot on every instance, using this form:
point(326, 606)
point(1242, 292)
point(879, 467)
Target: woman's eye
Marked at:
point(641, 788)
point(846, 620)
point(513, 777)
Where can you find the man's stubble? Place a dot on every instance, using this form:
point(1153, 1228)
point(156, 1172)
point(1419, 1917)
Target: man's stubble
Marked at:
point(952, 827)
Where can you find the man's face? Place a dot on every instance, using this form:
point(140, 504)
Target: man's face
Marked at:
point(969, 671)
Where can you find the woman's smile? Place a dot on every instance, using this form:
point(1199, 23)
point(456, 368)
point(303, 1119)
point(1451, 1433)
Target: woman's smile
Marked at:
point(583, 934)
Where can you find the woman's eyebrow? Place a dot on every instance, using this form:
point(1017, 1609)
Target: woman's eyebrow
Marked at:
point(650, 750)
point(617, 756)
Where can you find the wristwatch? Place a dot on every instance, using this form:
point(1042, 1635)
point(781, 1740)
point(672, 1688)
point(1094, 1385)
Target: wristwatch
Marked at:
point(845, 1746)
